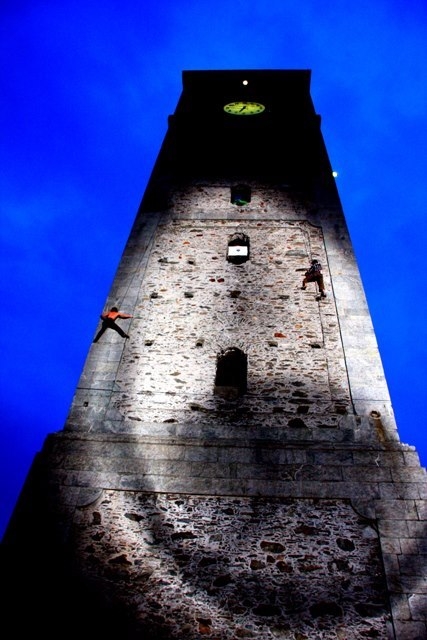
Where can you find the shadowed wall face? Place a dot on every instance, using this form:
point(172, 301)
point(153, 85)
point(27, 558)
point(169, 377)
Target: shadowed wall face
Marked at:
point(236, 567)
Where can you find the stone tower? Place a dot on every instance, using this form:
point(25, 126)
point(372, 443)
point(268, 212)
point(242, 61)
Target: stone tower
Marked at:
point(233, 469)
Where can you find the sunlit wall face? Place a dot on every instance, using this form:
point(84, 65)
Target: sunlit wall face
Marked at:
point(190, 303)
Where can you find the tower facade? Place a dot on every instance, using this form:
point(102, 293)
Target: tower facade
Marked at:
point(233, 469)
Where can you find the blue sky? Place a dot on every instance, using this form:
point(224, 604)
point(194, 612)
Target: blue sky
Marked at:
point(85, 92)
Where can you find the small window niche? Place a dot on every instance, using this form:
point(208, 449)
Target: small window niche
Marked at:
point(240, 195)
point(231, 373)
point(238, 248)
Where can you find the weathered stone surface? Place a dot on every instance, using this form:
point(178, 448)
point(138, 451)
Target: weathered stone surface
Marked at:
point(241, 563)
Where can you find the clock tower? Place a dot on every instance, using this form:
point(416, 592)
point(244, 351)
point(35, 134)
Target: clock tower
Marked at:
point(232, 469)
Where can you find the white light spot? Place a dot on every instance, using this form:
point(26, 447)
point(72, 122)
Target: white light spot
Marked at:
point(335, 174)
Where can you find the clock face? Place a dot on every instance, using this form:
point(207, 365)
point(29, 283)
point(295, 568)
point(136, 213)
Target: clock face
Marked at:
point(244, 108)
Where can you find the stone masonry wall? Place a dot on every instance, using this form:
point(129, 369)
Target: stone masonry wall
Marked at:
point(194, 304)
point(223, 568)
point(189, 303)
point(285, 513)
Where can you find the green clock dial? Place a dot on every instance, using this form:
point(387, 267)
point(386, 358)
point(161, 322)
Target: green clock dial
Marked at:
point(243, 108)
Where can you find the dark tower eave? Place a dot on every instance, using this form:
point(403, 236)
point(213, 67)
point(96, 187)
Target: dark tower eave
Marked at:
point(283, 144)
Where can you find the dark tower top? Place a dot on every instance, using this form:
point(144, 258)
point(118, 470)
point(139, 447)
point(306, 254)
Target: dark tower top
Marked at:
point(280, 142)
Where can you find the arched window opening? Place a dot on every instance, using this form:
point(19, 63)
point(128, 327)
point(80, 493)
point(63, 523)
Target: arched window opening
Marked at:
point(240, 195)
point(231, 373)
point(238, 248)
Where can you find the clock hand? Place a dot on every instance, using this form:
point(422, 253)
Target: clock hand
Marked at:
point(244, 107)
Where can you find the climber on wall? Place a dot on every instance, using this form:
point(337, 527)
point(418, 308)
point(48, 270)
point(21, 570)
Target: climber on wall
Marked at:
point(109, 322)
point(314, 274)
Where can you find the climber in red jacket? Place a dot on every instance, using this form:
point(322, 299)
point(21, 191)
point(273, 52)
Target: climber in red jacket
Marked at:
point(109, 322)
